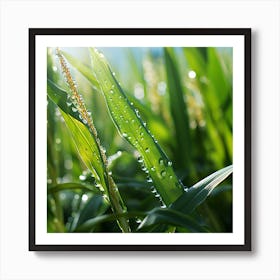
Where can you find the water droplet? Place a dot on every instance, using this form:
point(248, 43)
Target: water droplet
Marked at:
point(131, 103)
point(169, 163)
point(153, 190)
point(144, 123)
point(74, 109)
point(144, 168)
point(149, 180)
point(140, 159)
point(85, 121)
point(82, 177)
point(124, 134)
point(147, 150)
point(69, 103)
point(111, 91)
point(170, 177)
point(110, 173)
point(84, 197)
point(57, 140)
point(153, 168)
point(163, 173)
point(160, 161)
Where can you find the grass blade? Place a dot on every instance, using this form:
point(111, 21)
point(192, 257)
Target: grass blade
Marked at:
point(178, 110)
point(134, 130)
point(71, 186)
point(85, 143)
point(195, 195)
point(169, 216)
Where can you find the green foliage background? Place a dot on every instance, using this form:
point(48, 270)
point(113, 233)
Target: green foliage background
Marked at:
point(184, 95)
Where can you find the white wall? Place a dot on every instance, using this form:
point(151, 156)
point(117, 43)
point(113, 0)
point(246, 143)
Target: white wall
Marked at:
point(17, 262)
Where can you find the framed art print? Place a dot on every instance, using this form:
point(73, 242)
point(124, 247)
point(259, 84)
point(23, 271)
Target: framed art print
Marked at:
point(140, 139)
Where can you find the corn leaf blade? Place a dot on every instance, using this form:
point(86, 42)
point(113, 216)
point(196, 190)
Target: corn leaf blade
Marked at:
point(178, 110)
point(84, 141)
point(198, 193)
point(134, 130)
point(71, 186)
point(168, 216)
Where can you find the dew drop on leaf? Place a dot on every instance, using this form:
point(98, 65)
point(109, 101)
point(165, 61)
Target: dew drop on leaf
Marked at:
point(147, 150)
point(163, 173)
point(140, 159)
point(160, 161)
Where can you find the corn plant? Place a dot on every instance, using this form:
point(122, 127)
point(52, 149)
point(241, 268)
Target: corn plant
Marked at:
point(143, 155)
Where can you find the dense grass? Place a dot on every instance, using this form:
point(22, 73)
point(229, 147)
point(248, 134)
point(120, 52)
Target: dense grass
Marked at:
point(130, 131)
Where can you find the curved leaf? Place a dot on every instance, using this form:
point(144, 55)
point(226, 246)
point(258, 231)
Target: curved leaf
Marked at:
point(70, 186)
point(169, 216)
point(195, 195)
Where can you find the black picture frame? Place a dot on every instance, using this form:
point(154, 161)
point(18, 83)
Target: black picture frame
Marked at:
point(35, 32)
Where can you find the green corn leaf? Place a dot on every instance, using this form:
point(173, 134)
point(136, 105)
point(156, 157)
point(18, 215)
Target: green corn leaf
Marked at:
point(88, 225)
point(86, 147)
point(71, 186)
point(85, 142)
point(195, 195)
point(134, 130)
point(169, 216)
point(61, 99)
point(196, 60)
point(94, 207)
point(178, 110)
